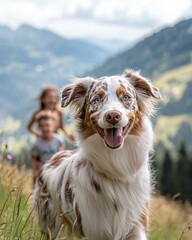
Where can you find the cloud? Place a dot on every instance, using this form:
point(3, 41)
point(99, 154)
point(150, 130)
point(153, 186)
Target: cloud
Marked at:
point(14, 13)
point(89, 17)
point(131, 12)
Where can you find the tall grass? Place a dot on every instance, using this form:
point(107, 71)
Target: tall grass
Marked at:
point(169, 220)
point(16, 221)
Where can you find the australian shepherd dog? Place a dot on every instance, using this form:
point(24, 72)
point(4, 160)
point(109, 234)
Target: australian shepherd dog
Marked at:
point(102, 189)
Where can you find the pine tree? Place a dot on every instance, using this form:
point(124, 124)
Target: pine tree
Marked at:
point(189, 179)
point(182, 177)
point(166, 180)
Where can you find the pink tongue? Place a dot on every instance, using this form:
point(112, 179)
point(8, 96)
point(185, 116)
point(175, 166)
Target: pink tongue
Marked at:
point(113, 137)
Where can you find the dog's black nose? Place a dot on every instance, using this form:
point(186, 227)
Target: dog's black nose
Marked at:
point(113, 117)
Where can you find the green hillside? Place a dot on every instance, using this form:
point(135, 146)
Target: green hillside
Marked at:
point(174, 119)
point(162, 51)
point(174, 82)
point(172, 130)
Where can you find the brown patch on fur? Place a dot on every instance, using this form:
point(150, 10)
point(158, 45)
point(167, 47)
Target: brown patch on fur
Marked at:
point(69, 95)
point(94, 118)
point(60, 185)
point(96, 185)
point(100, 92)
point(144, 218)
point(79, 89)
point(88, 127)
point(128, 73)
point(136, 127)
point(39, 178)
point(93, 182)
point(68, 192)
point(79, 221)
point(56, 159)
point(79, 165)
point(115, 205)
point(120, 90)
point(141, 83)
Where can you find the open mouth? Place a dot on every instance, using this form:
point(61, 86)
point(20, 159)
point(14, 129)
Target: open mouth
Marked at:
point(114, 136)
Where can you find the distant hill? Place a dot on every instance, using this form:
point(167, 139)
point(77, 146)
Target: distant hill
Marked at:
point(31, 58)
point(162, 51)
point(31, 45)
point(112, 45)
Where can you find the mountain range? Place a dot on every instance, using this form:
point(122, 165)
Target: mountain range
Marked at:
point(31, 59)
point(162, 51)
point(35, 46)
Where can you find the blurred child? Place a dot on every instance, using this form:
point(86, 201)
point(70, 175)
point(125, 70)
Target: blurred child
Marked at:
point(48, 101)
point(48, 144)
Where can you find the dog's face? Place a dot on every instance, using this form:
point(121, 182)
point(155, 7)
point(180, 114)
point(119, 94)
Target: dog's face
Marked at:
point(110, 106)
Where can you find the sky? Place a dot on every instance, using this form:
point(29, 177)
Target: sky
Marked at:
point(122, 20)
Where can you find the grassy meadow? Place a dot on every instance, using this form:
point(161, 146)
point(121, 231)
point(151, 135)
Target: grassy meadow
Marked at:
point(169, 220)
point(16, 221)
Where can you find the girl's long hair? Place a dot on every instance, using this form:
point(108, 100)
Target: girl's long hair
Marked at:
point(43, 94)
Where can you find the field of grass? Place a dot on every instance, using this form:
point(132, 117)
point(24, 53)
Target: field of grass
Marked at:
point(169, 220)
point(16, 221)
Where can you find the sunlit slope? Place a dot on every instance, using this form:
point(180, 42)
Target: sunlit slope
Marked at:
point(174, 83)
point(174, 117)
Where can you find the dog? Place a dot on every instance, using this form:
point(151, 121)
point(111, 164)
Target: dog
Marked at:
point(101, 190)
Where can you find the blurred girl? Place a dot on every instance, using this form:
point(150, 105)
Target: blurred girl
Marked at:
point(48, 101)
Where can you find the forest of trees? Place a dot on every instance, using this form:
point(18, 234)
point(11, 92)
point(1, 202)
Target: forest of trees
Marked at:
point(174, 174)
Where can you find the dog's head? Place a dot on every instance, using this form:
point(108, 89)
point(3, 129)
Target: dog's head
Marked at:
point(111, 106)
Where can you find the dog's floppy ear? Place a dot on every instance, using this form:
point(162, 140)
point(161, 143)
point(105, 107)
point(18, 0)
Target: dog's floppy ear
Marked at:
point(75, 92)
point(142, 85)
point(146, 92)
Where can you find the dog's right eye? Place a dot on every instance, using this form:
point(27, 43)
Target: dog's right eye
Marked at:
point(126, 97)
point(96, 100)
